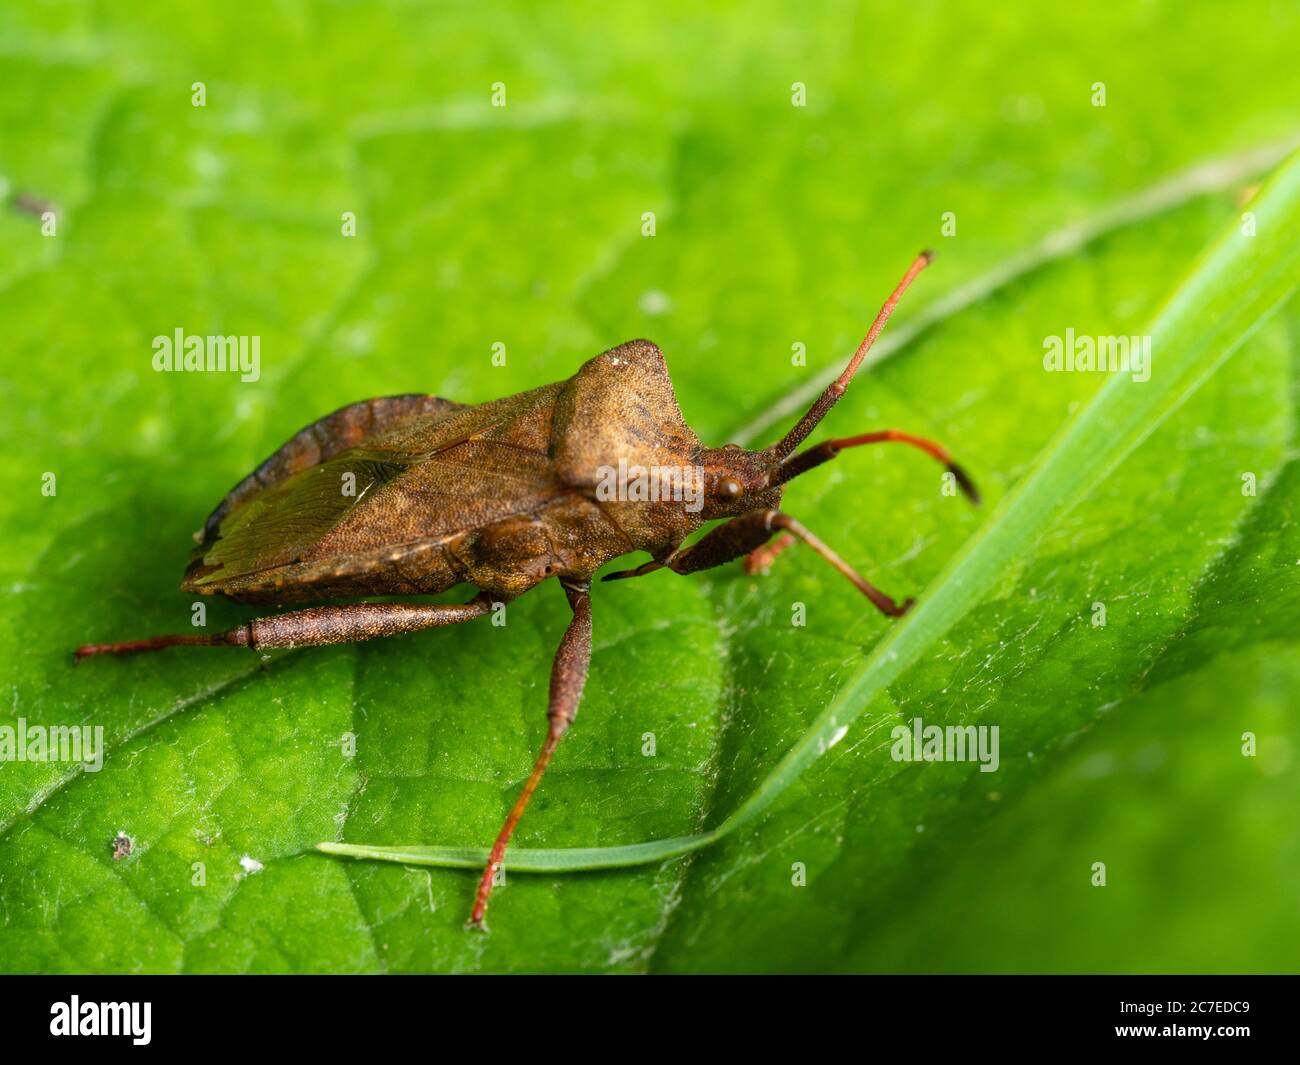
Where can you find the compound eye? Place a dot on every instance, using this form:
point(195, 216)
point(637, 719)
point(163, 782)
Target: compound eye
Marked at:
point(729, 488)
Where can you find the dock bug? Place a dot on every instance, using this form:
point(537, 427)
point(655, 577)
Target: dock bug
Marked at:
point(503, 496)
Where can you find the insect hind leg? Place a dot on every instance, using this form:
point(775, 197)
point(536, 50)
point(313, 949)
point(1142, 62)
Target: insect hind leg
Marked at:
point(314, 627)
point(233, 638)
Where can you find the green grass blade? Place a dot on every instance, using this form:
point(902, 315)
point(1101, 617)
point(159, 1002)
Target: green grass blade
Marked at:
point(524, 860)
point(1228, 294)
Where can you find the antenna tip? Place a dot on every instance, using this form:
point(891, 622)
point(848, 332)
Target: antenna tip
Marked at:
point(965, 483)
point(928, 255)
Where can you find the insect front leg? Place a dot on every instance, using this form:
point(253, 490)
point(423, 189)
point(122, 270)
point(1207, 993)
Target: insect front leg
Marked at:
point(568, 677)
point(745, 535)
point(761, 558)
point(742, 536)
point(313, 627)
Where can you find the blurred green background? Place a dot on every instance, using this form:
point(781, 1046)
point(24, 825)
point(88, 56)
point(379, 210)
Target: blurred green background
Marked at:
point(775, 225)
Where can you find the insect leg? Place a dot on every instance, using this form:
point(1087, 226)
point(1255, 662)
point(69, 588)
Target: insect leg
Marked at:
point(879, 599)
point(736, 538)
point(761, 558)
point(733, 539)
point(745, 534)
point(640, 571)
point(568, 676)
point(313, 627)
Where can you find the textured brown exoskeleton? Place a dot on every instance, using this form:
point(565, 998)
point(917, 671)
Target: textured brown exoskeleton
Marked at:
point(502, 496)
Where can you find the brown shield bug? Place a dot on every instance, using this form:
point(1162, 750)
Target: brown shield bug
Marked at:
point(502, 496)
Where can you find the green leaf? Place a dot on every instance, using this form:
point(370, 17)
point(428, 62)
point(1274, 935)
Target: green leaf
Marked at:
point(776, 225)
